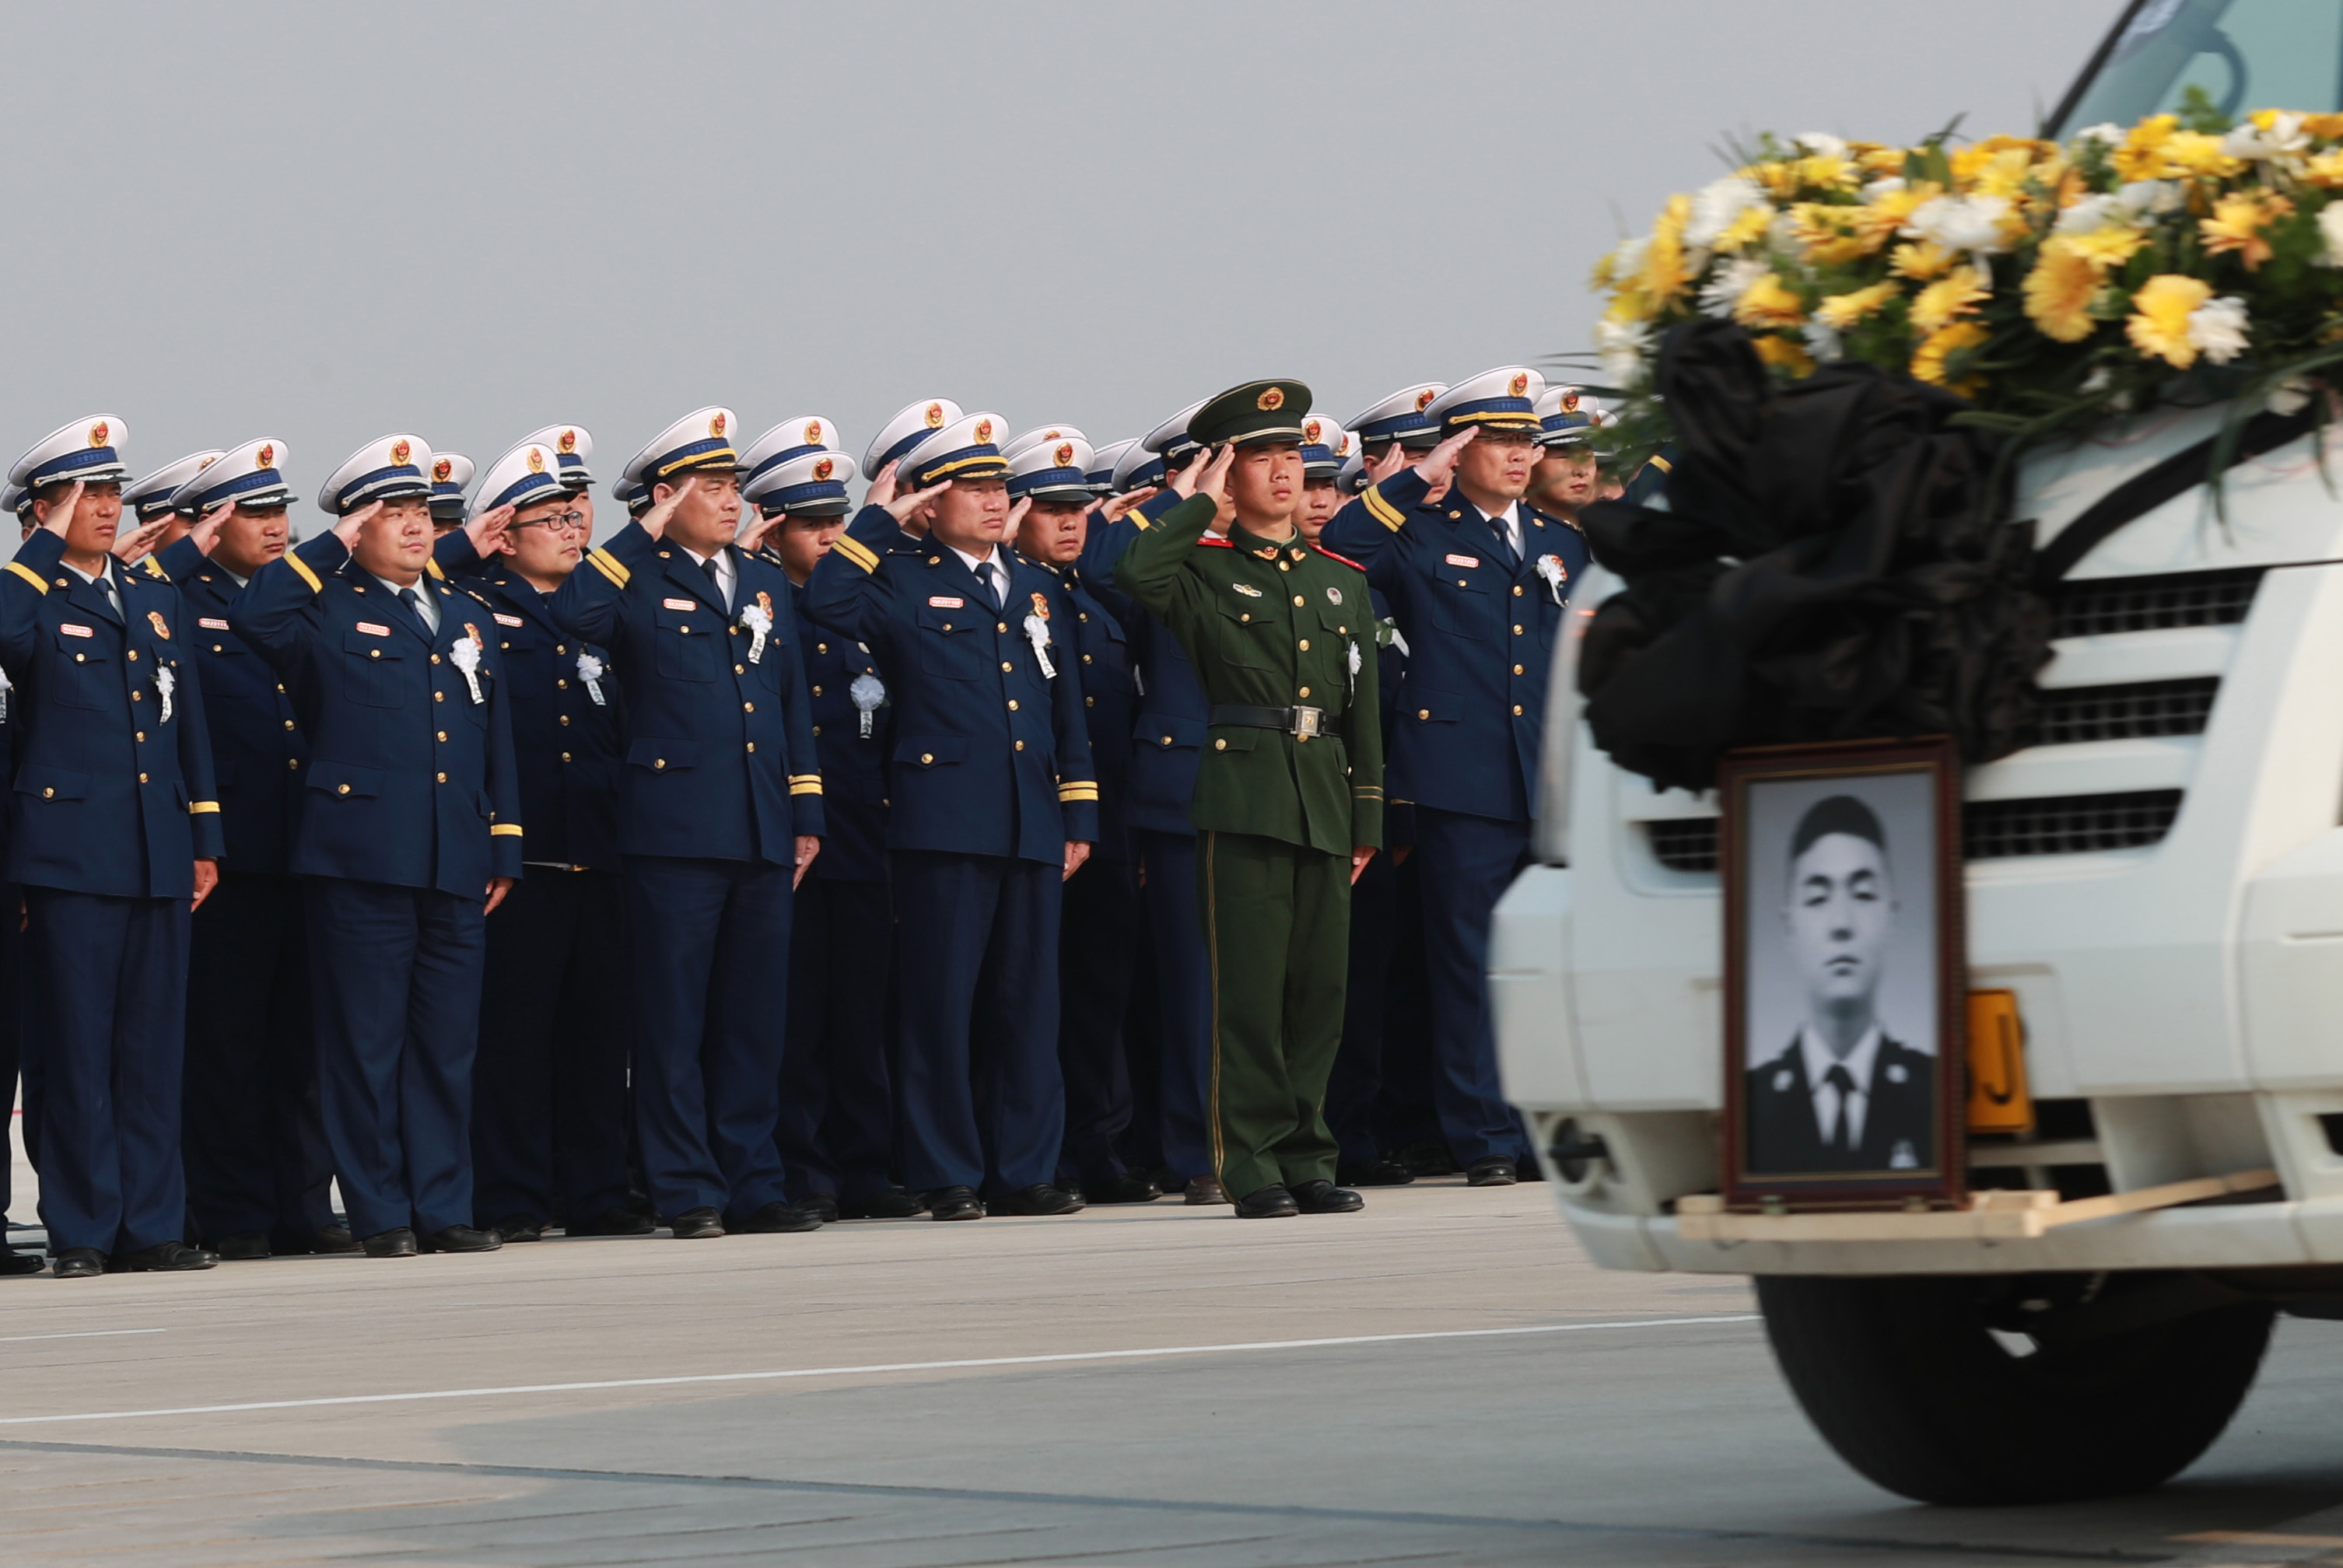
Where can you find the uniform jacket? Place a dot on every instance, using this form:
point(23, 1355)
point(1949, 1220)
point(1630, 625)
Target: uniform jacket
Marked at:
point(853, 765)
point(259, 755)
point(1106, 703)
point(1271, 625)
point(410, 781)
point(1479, 638)
point(1167, 734)
point(719, 761)
point(992, 757)
point(110, 795)
point(1899, 1123)
point(567, 742)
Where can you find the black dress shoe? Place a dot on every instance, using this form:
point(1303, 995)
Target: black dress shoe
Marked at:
point(1204, 1189)
point(513, 1227)
point(1381, 1171)
point(1269, 1202)
point(398, 1241)
point(80, 1263)
point(1040, 1199)
point(616, 1220)
point(697, 1225)
point(244, 1246)
point(894, 1203)
point(1496, 1170)
point(335, 1238)
point(162, 1258)
point(955, 1203)
point(14, 1262)
point(776, 1219)
point(822, 1206)
point(1129, 1187)
point(1325, 1198)
point(1428, 1157)
point(459, 1239)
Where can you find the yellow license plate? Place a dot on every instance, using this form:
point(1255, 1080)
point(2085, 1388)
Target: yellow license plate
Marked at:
point(1999, 1099)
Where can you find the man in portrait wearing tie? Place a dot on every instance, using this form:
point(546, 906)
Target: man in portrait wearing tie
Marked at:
point(1841, 1095)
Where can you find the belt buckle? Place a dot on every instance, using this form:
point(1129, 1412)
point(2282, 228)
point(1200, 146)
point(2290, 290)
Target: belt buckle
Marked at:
point(1307, 721)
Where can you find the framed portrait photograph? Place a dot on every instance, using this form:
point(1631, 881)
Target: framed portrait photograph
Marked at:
point(1845, 976)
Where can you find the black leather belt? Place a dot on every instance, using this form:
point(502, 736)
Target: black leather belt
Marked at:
point(1288, 720)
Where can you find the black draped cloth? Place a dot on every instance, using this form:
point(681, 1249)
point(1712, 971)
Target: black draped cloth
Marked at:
point(1831, 567)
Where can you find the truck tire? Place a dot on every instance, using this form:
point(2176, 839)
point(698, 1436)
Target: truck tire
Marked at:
point(1906, 1379)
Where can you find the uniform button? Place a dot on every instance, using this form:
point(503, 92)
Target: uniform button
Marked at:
point(658, 762)
point(1013, 705)
point(821, 647)
point(1517, 711)
point(1086, 658)
point(1020, 745)
point(1087, 702)
point(1006, 665)
point(133, 656)
point(47, 793)
point(293, 763)
point(1517, 631)
point(441, 777)
point(816, 732)
point(1243, 615)
point(1083, 616)
point(565, 756)
point(137, 697)
point(561, 685)
point(436, 697)
point(1305, 691)
point(739, 669)
point(1459, 582)
point(140, 736)
point(560, 649)
point(684, 630)
point(752, 707)
point(1303, 645)
point(280, 686)
point(752, 745)
point(1517, 591)
point(1167, 740)
point(1424, 713)
point(1283, 567)
point(373, 653)
point(443, 736)
point(215, 647)
point(1297, 601)
point(926, 757)
point(289, 724)
point(81, 659)
point(1517, 669)
point(435, 659)
point(1001, 625)
point(142, 779)
point(341, 789)
point(1219, 745)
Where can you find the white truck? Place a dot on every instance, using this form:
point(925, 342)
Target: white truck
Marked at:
point(2161, 884)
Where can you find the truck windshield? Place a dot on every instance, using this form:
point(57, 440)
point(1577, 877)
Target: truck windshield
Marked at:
point(2245, 55)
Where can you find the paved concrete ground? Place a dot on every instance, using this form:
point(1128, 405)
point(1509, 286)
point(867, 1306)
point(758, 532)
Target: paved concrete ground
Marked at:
point(539, 1406)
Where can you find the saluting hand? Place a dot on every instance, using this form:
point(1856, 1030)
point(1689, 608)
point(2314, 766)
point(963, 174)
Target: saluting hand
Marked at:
point(807, 847)
point(1214, 482)
point(490, 531)
point(136, 542)
point(498, 887)
point(911, 508)
point(348, 529)
point(1441, 461)
point(757, 529)
point(1017, 510)
point(655, 520)
point(61, 515)
point(1359, 858)
point(1393, 459)
point(1077, 852)
point(207, 531)
point(1183, 478)
point(1120, 507)
point(883, 487)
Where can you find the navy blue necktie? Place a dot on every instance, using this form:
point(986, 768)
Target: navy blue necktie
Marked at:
point(414, 603)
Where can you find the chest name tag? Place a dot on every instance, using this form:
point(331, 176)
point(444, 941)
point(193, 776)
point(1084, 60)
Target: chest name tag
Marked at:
point(70, 629)
point(1464, 561)
point(946, 601)
point(678, 604)
point(504, 620)
point(371, 630)
point(211, 623)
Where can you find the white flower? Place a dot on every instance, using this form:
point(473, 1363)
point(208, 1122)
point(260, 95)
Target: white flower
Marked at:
point(2218, 327)
point(2283, 141)
point(1885, 186)
point(1821, 145)
point(1716, 206)
point(1619, 345)
point(1970, 223)
point(2290, 397)
point(1627, 258)
point(1822, 340)
point(1729, 282)
point(2091, 214)
point(2107, 133)
point(2097, 380)
point(2330, 229)
point(2158, 197)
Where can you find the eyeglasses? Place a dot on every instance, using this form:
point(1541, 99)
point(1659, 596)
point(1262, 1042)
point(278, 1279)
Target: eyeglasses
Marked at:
point(559, 522)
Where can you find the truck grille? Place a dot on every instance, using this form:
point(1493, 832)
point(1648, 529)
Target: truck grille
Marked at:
point(2153, 604)
point(1990, 829)
point(2078, 713)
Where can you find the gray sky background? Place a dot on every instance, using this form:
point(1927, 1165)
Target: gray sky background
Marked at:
point(323, 222)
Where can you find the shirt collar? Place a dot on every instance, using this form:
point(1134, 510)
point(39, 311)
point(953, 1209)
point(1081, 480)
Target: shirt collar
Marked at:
point(1859, 1062)
point(102, 577)
point(972, 562)
point(395, 589)
point(1502, 518)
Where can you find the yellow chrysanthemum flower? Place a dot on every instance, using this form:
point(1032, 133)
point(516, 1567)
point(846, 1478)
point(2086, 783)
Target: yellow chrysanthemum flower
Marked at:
point(1874, 159)
point(1824, 172)
point(1828, 235)
point(2324, 169)
point(2159, 320)
point(1746, 230)
point(2060, 292)
point(2197, 154)
point(2110, 246)
point(1779, 178)
point(1783, 355)
point(2323, 127)
point(2236, 225)
point(1923, 260)
point(1766, 303)
point(1841, 311)
point(1951, 297)
point(1928, 360)
point(1992, 171)
point(2141, 156)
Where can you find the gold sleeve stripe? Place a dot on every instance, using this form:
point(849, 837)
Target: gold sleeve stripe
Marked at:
point(1661, 464)
point(609, 565)
point(301, 570)
point(1071, 792)
point(855, 550)
point(504, 829)
point(40, 584)
point(1383, 512)
point(199, 808)
point(805, 786)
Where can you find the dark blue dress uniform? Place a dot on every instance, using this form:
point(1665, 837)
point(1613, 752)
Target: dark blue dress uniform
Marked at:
point(550, 1084)
point(990, 778)
point(837, 1131)
point(113, 803)
point(1479, 623)
point(718, 778)
point(1167, 739)
point(256, 1157)
point(412, 806)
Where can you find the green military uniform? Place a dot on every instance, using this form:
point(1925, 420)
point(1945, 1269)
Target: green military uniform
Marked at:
point(1283, 639)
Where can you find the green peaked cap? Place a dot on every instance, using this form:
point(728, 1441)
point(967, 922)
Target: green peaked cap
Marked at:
point(1257, 413)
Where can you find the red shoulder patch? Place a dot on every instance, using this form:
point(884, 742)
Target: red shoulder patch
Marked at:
point(1331, 556)
point(1218, 544)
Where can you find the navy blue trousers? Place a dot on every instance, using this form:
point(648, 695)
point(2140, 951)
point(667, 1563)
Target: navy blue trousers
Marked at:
point(1098, 948)
point(111, 997)
point(710, 941)
point(395, 978)
point(1183, 993)
point(981, 1086)
point(1358, 1075)
point(549, 1086)
point(254, 1137)
point(1468, 862)
point(836, 1128)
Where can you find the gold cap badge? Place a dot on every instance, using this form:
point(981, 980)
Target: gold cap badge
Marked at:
point(1064, 454)
point(824, 469)
point(569, 440)
point(813, 433)
point(935, 416)
point(536, 460)
point(264, 459)
point(400, 451)
point(99, 432)
point(1270, 400)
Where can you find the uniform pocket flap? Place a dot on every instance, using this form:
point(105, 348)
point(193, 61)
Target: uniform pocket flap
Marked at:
point(933, 750)
point(52, 783)
point(341, 779)
point(950, 613)
point(663, 756)
point(1166, 733)
point(1430, 707)
point(1237, 739)
point(368, 643)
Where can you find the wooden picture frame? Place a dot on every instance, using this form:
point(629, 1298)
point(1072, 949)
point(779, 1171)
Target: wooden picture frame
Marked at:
point(1844, 963)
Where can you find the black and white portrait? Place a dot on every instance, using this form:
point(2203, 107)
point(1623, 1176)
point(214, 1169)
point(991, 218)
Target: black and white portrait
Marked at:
point(1841, 976)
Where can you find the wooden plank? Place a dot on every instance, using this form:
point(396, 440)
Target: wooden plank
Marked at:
point(1993, 1215)
point(2163, 1197)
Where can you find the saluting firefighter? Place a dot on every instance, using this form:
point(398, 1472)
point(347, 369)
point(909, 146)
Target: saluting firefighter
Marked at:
point(549, 1085)
point(409, 837)
point(259, 1171)
point(720, 817)
point(994, 805)
point(1477, 581)
point(154, 519)
point(1289, 793)
point(113, 834)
